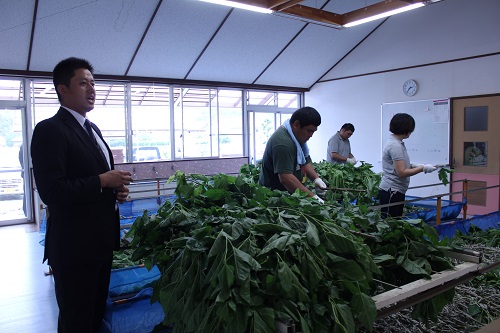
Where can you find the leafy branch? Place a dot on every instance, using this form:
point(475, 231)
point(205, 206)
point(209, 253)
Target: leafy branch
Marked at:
point(235, 257)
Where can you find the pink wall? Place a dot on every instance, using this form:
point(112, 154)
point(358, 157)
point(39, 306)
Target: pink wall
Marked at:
point(492, 195)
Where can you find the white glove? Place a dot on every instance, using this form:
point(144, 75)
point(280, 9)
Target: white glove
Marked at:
point(428, 168)
point(352, 160)
point(321, 201)
point(320, 186)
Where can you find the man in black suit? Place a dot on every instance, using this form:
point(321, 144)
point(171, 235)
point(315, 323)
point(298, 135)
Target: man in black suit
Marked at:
point(75, 177)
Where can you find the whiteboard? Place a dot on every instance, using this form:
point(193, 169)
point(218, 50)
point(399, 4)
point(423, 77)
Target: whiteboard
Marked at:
point(429, 142)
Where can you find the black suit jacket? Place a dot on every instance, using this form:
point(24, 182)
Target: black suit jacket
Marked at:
point(83, 222)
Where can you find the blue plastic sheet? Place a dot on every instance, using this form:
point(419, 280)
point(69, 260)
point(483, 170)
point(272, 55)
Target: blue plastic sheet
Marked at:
point(134, 208)
point(129, 280)
point(484, 222)
point(131, 210)
point(449, 209)
point(133, 315)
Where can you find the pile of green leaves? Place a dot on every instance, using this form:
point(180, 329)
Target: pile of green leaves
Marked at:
point(236, 257)
point(485, 239)
point(404, 250)
point(475, 235)
point(361, 180)
point(251, 172)
point(123, 258)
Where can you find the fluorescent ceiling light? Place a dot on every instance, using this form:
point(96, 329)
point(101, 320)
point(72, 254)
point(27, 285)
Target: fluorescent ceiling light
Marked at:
point(240, 5)
point(382, 15)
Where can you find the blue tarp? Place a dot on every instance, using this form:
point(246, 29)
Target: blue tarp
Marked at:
point(484, 222)
point(130, 280)
point(134, 315)
point(449, 209)
point(133, 208)
point(129, 307)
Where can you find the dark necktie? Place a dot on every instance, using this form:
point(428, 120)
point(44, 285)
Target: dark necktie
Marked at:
point(88, 127)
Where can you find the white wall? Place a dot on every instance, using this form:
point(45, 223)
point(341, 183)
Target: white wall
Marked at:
point(358, 100)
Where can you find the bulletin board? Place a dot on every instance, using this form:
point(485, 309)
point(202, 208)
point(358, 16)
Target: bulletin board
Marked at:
point(429, 143)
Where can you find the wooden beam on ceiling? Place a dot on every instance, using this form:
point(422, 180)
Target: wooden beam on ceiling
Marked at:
point(279, 5)
point(314, 14)
point(294, 8)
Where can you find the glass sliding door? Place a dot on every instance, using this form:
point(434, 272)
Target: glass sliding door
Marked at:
point(14, 204)
point(262, 126)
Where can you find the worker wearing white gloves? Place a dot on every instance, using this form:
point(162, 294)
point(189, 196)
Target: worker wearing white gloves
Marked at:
point(396, 166)
point(321, 201)
point(426, 168)
point(320, 186)
point(286, 163)
point(339, 147)
point(320, 189)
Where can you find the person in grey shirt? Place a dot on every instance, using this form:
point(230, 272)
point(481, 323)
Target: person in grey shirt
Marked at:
point(339, 147)
point(396, 166)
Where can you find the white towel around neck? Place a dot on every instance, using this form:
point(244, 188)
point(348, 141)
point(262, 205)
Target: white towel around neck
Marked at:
point(302, 150)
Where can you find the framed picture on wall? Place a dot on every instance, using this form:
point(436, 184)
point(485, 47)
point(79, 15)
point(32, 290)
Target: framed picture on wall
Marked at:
point(476, 154)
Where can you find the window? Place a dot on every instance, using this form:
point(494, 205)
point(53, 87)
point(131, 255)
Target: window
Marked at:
point(44, 98)
point(150, 122)
point(11, 90)
point(288, 100)
point(263, 123)
point(108, 113)
point(279, 99)
point(266, 112)
point(476, 118)
point(199, 108)
point(209, 123)
point(141, 122)
point(230, 139)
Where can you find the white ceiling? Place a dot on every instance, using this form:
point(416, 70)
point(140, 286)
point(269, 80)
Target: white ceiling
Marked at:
point(197, 41)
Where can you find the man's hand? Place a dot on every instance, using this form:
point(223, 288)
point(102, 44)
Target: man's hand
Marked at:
point(321, 201)
point(428, 168)
point(320, 186)
point(351, 160)
point(122, 193)
point(115, 179)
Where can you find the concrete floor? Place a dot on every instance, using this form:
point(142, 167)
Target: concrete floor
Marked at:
point(27, 301)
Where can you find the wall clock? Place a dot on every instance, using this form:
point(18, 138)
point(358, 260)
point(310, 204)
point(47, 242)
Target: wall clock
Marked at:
point(410, 87)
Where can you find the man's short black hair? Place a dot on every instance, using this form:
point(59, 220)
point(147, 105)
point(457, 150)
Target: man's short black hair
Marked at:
point(306, 116)
point(65, 70)
point(348, 127)
point(402, 123)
